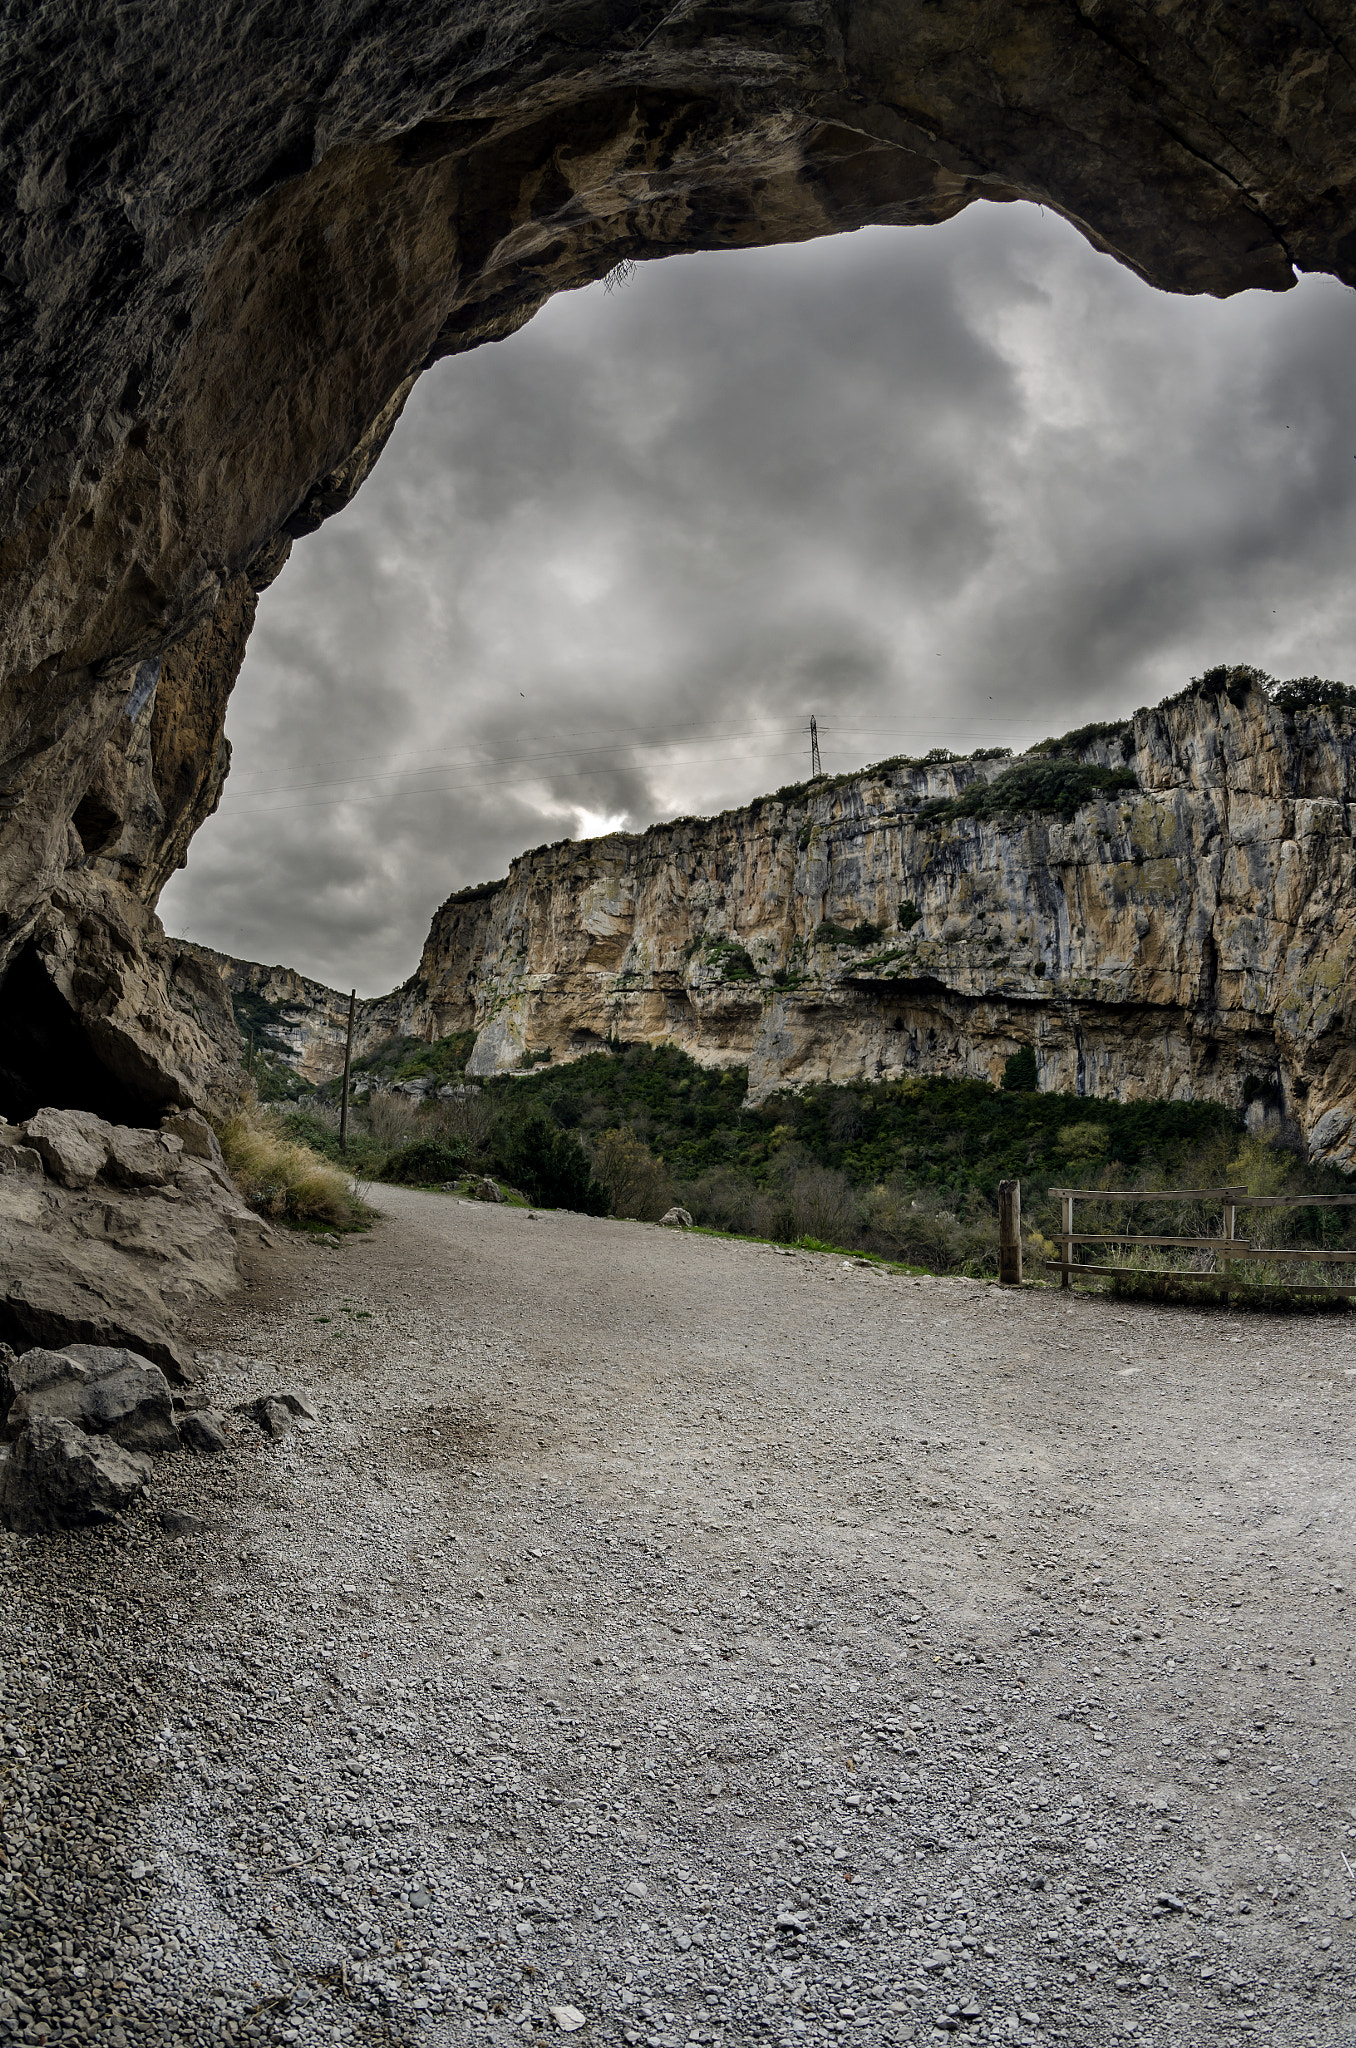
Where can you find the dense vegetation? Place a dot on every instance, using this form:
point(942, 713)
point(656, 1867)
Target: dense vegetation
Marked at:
point(906, 1170)
point(1051, 789)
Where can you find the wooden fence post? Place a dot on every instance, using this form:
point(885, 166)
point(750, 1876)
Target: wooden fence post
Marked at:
point(348, 1063)
point(1010, 1233)
point(1066, 1242)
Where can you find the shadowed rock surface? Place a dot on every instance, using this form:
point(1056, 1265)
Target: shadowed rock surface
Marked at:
point(112, 1393)
point(231, 240)
point(56, 1477)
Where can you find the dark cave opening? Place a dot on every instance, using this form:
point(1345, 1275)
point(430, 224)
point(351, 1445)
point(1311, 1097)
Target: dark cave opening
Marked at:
point(47, 1061)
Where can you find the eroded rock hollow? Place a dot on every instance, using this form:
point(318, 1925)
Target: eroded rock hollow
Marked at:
point(231, 238)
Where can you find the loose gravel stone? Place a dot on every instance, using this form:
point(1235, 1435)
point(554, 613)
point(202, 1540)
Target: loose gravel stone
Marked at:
point(720, 1647)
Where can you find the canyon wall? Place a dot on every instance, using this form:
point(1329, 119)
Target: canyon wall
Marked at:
point(232, 238)
point(1191, 937)
point(304, 1022)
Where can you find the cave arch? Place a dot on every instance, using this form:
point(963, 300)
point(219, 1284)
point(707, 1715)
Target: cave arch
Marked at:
point(227, 252)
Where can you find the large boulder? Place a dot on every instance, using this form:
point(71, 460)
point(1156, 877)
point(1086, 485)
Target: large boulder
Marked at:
point(21, 1372)
point(72, 1144)
point(195, 1134)
point(56, 1477)
point(15, 1155)
point(110, 1392)
point(142, 1159)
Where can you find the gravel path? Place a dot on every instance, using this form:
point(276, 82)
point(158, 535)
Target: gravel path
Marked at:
point(701, 1644)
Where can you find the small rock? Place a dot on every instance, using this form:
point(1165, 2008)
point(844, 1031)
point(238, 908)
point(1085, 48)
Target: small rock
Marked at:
point(276, 1413)
point(56, 1477)
point(487, 1190)
point(200, 1430)
point(273, 1417)
point(299, 1405)
point(175, 1522)
point(20, 1159)
point(568, 2018)
point(676, 1219)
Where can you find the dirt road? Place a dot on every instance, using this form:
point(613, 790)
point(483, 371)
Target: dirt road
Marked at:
point(669, 1640)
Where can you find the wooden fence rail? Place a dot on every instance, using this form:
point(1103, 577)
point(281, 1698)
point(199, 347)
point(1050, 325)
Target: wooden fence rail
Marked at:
point(1228, 1247)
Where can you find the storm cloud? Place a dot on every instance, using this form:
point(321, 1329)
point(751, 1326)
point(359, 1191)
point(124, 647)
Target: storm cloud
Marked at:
point(960, 486)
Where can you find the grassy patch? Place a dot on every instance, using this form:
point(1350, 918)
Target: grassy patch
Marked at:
point(283, 1178)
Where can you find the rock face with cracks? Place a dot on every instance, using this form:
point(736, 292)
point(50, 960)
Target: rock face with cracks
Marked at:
point(1190, 936)
point(230, 242)
point(56, 1477)
point(110, 1236)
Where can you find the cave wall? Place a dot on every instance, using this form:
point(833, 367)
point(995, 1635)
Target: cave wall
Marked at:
point(231, 239)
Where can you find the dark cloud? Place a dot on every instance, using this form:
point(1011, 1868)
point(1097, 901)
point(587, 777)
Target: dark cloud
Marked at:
point(940, 485)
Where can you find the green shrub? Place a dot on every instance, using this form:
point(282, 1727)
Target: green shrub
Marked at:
point(863, 933)
point(1312, 693)
point(1084, 736)
point(1019, 1071)
point(552, 1168)
point(1054, 789)
point(909, 915)
point(637, 1183)
point(426, 1161)
point(730, 959)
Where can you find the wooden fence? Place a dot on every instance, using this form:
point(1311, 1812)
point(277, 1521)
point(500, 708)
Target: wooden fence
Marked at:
point(1228, 1248)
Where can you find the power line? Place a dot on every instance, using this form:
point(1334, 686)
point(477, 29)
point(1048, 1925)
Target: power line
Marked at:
point(600, 753)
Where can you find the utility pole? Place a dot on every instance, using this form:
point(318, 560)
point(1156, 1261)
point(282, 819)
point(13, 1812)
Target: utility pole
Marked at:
point(815, 768)
point(348, 1062)
point(1010, 1233)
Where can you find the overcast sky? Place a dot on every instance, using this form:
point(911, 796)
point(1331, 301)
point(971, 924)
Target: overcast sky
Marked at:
point(962, 485)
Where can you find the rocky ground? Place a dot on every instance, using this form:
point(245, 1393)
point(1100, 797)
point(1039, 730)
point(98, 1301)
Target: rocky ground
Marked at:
point(669, 1640)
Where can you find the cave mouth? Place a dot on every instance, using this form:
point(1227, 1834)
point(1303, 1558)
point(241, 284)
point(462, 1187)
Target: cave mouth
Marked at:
point(46, 1058)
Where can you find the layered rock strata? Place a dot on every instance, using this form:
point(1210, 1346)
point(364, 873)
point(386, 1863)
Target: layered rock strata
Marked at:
point(228, 247)
point(304, 1022)
point(1190, 937)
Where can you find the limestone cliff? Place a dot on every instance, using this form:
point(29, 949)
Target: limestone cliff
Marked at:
point(1188, 937)
point(231, 238)
point(1180, 939)
point(304, 1022)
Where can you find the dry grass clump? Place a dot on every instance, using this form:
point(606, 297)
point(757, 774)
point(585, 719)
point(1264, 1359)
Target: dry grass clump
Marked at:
point(279, 1177)
point(392, 1120)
